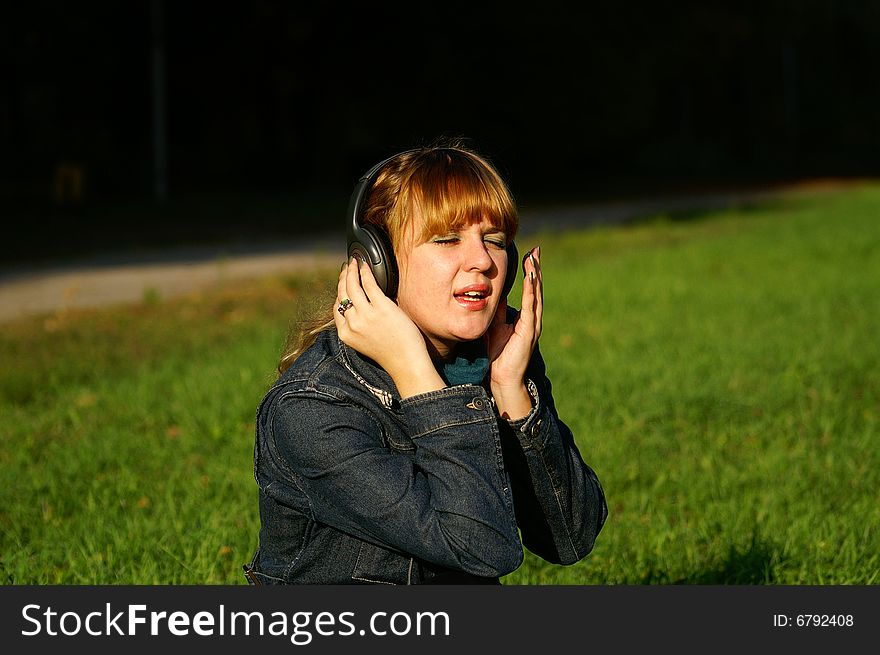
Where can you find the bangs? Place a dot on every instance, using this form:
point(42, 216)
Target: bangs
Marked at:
point(453, 189)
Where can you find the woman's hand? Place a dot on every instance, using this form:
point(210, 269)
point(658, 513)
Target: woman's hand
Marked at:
point(510, 346)
point(377, 328)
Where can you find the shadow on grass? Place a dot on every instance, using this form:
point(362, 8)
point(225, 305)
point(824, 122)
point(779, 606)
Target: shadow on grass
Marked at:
point(754, 564)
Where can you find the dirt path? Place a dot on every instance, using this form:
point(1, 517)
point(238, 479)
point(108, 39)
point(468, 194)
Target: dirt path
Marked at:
point(108, 280)
point(103, 281)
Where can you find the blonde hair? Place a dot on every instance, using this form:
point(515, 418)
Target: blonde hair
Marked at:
point(447, 185)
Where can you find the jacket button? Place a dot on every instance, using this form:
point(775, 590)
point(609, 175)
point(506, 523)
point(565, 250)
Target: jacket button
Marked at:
point(536, 428)
point(476, 403)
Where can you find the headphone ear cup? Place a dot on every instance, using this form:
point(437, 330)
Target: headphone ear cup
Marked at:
point(512, 266)
point(382, 262)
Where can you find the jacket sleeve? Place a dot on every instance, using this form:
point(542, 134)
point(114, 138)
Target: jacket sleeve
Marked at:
point(451, 504)
point(560, 505)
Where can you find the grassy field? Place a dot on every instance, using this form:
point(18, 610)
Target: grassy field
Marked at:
point(721, 373)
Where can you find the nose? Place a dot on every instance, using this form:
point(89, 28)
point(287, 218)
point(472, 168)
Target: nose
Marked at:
point(476, 255)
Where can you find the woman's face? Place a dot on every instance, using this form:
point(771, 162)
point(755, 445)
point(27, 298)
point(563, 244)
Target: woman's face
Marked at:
point(451, 284)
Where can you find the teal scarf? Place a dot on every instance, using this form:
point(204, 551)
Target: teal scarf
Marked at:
point(469, 366)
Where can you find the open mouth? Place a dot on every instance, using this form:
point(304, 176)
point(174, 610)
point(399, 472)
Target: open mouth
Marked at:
point(476, 297)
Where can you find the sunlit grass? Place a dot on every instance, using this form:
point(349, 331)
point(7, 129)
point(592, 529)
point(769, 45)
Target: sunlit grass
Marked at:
point(127, 436)
point(721, 374)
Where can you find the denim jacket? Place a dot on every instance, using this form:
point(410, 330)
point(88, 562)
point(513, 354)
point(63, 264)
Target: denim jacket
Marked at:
point(359, 486)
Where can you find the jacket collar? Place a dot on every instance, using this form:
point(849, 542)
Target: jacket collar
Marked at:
point(469, 367)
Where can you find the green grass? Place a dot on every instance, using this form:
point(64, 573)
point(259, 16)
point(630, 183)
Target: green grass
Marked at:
point(721, 374)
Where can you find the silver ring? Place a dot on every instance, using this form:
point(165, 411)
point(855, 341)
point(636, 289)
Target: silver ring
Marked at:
point(344, 304)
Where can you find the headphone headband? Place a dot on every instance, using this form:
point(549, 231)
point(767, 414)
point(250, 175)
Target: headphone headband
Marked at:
point(357, 202)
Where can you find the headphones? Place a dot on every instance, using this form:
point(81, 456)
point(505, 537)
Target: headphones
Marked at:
point(372, 243)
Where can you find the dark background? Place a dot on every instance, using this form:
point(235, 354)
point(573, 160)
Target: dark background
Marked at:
point(271, 110)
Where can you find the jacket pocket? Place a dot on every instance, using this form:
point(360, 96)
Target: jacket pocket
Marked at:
point(381, 566)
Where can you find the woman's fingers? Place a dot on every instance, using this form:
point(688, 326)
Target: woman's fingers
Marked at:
point(353, 284)
point(539, 292)
point(349, 288)
point(536, 255)
point(368, 282)
point(533, 293)
point(527, 313)
point(338, 319)
point(341, 285)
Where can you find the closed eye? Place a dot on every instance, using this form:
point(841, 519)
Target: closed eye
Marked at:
point(496, 240)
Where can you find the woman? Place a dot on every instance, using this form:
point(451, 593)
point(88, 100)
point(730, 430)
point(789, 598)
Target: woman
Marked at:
point(411, 438)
